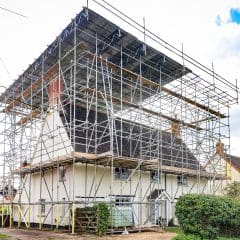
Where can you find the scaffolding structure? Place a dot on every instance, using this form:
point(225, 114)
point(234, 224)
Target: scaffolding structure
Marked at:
point(122, 104)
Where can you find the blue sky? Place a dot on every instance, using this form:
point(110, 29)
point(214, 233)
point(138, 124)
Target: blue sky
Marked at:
point(235, 15)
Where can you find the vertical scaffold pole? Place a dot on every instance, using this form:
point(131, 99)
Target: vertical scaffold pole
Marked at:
point(19, 217)
point(73, 218)
point(2, 215)
point(74, 124)
point(10, 215)
point(29, 211)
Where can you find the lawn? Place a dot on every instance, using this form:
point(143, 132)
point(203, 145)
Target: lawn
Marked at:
point(182, 236)
point(177, 230)
point(3, 236)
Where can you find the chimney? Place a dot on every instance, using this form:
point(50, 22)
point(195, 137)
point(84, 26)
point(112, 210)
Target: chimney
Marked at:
point(176, 128)
point(55, 89)
point(220, 148)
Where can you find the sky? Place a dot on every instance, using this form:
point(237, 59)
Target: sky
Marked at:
point(208, 30)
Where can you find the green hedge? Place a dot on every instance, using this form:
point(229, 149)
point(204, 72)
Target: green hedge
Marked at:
point(208, 216)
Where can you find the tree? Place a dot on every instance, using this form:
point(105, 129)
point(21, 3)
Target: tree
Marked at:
point(233, 190)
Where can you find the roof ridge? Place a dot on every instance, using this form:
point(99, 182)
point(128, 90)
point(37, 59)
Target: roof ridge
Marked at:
point(231, 155)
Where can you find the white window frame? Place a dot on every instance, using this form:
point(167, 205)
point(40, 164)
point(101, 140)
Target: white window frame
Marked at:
point(122, 173)
point(123, 201)
point(182, 180)
point(155, 177)
point(42, 205)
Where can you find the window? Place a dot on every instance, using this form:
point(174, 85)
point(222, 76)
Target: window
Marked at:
point(42, 205)
point(182, 180)
point(123, 201)
point(63, 210)
point(62, 173)
point(122, 173)
point(155, 177)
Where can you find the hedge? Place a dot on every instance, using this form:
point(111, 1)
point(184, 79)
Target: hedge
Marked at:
point(208, 216)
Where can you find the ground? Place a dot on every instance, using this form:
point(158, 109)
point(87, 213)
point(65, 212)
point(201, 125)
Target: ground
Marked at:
point(24, 234)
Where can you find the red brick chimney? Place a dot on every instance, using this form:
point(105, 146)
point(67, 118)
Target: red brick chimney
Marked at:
point(220, 148)
point(55, 90)
point(176, 128)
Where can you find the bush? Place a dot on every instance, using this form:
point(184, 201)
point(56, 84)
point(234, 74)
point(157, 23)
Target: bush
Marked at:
point(3, 210)
point(233, 190)
point(208, 216)
point(103, 218)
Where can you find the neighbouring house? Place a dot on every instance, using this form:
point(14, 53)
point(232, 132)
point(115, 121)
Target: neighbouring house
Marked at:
point(223, 163)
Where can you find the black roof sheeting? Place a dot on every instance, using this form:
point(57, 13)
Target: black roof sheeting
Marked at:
point(172, 151)
point(94, 24)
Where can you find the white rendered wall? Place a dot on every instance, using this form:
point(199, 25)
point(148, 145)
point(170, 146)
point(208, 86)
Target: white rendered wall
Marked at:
point(53, 141)
point(86, 185)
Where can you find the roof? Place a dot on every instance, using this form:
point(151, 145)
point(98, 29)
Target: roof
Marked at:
point(235, 161)
point(156, 193)
point(130, 139)
point(90, 24)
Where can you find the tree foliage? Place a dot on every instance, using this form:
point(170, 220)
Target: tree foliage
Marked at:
point(233, 190)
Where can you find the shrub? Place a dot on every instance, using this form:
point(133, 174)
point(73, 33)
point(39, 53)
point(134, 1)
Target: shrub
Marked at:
point(3, 210)
point(103, 218)
point(233, 190)
point(208, 216)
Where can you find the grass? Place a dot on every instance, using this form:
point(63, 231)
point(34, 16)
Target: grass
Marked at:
point(181, 235)
point(193, 237)
point(2, 236)
point(176, 230)
point(225, 238)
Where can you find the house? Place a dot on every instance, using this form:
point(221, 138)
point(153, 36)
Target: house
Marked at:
point(95, 168)
point(223, 163)
point(116, 121)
